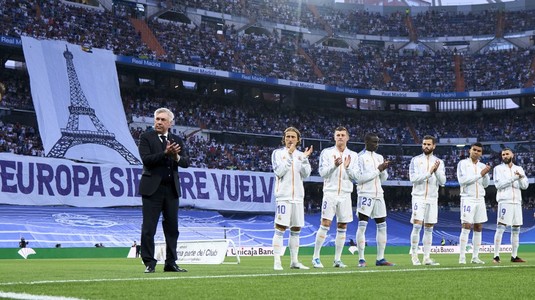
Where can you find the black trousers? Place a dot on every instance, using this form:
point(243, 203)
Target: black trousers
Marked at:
point(165, 202)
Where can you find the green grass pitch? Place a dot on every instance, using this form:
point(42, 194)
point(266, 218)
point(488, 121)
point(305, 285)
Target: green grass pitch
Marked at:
point(254, 278)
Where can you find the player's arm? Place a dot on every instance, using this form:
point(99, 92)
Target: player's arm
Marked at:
point(364, 175)
point(501, 181)
point(326, 164)
point(523, 181)
point(440, 173)
point(383, 175)
point(150, 159)
point(280, 165)
point(415, 175)
point(465, 178)
point(353, 167)
point(486, 178)
point(306, 168)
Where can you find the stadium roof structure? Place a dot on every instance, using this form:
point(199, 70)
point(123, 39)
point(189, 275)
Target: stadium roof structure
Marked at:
point(426, 2)
point(463, 2)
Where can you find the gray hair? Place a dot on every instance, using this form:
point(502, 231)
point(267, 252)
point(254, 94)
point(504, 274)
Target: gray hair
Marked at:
point(169, 113)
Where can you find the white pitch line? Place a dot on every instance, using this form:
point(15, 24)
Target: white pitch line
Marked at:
point(305, 273)
point(32, 297)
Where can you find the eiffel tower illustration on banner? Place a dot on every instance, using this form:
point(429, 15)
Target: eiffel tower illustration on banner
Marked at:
point(72, 135)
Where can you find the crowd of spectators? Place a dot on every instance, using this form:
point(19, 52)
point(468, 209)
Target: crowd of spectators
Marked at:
point(20, 139)
point(265, 118)
point(17, 94)
point(443, 23)
point(368, 23)
point(400, 133)
point(430, 72)
point(271, 54)
point(505, 69)
point(431, 23)
point(294, 13)
point(229, 7)
point(317, 123)
point(359, 68)
point(194, 46)
point(52, 19)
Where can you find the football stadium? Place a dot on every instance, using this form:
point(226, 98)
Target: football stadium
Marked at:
point(81, 87)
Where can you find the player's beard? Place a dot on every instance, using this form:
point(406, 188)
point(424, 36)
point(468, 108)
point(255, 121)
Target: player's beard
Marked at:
point(427, 151)
point(507, 160)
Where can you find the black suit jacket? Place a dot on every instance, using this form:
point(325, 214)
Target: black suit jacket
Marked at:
point(155, 162)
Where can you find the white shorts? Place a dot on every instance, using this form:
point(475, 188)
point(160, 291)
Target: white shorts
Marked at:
point(290, 214)
point(473, 211)
point(424, 211)
point(339, 205)
point(510, 214)
point(372, 207)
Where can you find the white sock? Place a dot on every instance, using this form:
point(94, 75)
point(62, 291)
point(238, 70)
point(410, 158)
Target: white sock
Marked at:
point(294, 246)
point(427, 241)
point(415, 238)
point(361, 238)
point(500, 229)
point(515, 240)
point(476, 241)
point(463, 240)
point(277, 245)
point(381, 240)
point(339, 243)
point(320, 239)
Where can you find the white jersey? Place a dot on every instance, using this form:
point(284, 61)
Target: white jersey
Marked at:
point(469, 177)
point(424, 184)
point(338, 179)
point(290, 170)
point(508, 185)
point(369, 178)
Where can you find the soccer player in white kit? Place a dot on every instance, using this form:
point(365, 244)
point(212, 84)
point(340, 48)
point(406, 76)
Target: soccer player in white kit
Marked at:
point(426, 173)
point(509, 179)
point(290, 166)
point(338, 168)
point(371, 202)
point(473, 177)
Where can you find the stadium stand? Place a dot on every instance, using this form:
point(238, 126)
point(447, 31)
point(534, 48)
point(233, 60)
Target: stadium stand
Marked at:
point(261, 54)
point(253, 130)
point(247, 119)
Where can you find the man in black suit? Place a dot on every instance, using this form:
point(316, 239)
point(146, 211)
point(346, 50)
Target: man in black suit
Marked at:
point(162, 153)
point(23, 243)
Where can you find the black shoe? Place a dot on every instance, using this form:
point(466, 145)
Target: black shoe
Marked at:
point(517, 260)
point(149, 269)
point(173, 268)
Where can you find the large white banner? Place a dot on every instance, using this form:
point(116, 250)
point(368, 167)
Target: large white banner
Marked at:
point(30, 180)
point(78, 104)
